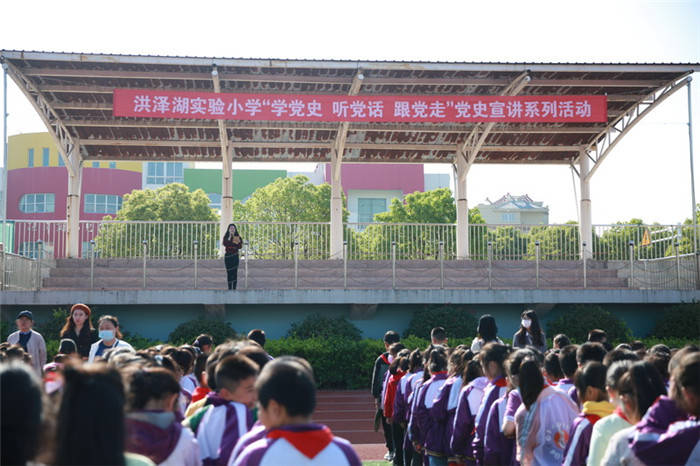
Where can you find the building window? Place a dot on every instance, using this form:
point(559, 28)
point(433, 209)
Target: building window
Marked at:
point(112, 164)
point(161, 173)
point(37, 203)
point(30, 158)
point(214, 200)
point(368, 206)
point(60, 161)
point(102, 203)
point(31, 249)
point(508, 218)
point(45, 156)
point(95, 164)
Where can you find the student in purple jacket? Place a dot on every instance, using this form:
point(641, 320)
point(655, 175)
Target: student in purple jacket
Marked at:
point(590, 386)
point(151, 426)
point(402, 403)
point(445, 404)
point(426, 436)
point(567, 361)
point(470, 396)
point(666, 412)
point(287, 399)
point(496, 445)
point(493, 357)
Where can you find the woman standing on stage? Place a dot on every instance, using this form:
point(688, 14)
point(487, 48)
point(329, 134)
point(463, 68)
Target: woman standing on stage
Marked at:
point(233, 243)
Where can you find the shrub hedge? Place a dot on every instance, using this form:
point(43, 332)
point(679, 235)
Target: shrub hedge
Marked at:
point(186, 332)
point(458, 321)
point(578, 320)
point(320, 326)
point(680, 321)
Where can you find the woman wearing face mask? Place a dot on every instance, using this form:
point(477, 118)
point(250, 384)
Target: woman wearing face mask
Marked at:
point(530, 333)
point(79, 329)
point(109, 337)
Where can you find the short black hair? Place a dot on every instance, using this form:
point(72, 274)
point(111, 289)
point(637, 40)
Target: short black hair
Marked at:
point(258, 336)
point(203, 340)
point(231, 370)
point(567, 360)
point(391, 337)
point(590, 351)
point(561, 341)
point(438, 334)
point(597, 335)
point(290, 383)
point(67, 346)
point(552, 365)
point(619, 354)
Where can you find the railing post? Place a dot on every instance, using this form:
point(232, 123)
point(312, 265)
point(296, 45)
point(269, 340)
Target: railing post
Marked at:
point(296, 264)
point(40, 253)
point(585, 268)
point(537, 264)
point(393, 265)
point(92, 264)
point(196, 250)
point(145, 247)
point(245, 263)
point(442, 265)
point(2, 266)
point(631, 250)
point(490, 257)
point(678, 266)
point(345, 265)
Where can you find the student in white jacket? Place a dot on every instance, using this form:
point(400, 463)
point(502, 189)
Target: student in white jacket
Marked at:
point(110, 335)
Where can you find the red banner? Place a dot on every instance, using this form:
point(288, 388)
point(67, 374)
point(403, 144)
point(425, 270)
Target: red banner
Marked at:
point(363, 109)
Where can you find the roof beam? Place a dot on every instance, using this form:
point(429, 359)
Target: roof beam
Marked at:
point(338, 80)
point(65, 141)
point(316, 145)
point(477, 137)
point(338, 147)
point(604, 143)
point(364, 127)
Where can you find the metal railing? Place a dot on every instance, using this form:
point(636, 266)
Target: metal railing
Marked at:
point(18, 273)
point(365, 241)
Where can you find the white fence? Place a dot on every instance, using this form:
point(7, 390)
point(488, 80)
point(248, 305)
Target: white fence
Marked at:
point(18, 272)
point(365, 241)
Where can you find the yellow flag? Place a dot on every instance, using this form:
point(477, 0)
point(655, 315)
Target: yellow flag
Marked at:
point(646, 240)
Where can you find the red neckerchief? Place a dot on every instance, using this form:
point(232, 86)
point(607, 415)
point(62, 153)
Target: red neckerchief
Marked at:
point(592, 418)
point(309, 442)
point(502, 382)
point(438, 373)
point(619, 412)
point(385, 359)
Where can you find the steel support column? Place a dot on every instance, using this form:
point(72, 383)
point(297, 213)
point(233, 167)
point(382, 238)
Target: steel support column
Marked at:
point(75, 181)
point(226, 194)
point(461, 169)
point(586, 220)
point(336, 186)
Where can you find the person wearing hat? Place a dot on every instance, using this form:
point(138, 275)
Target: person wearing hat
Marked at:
point(79, 328)
point(32, 342)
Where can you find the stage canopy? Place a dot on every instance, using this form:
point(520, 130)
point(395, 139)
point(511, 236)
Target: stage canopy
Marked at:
point(73, 93)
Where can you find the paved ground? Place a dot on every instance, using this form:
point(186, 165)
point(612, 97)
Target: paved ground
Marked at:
point(350, 414)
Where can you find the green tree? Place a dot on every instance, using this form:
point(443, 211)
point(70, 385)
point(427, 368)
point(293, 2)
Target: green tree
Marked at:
point(414, 241)
point(171, 203)
point(287, 201)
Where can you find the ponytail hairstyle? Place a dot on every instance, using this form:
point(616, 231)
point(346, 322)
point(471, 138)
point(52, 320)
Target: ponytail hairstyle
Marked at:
point(495, 352)
point(552, 365)
point(643, 383)
point(531, 381)
point(437, 361)
point(472, 370)
point(415, 360)
point(150, 384)
point(687, 376)
point(399, 360)
point(514, 361)
point(457, 362)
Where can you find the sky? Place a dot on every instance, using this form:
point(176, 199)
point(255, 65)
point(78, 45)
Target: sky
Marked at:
point(647, 175)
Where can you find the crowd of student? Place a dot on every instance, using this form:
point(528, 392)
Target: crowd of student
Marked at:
point(103, 403)
point(525, 404)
